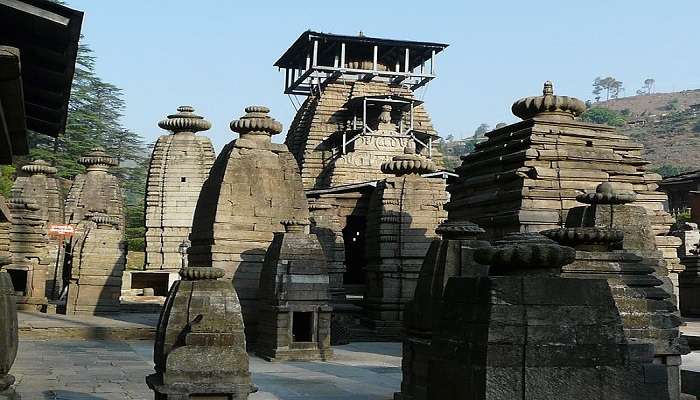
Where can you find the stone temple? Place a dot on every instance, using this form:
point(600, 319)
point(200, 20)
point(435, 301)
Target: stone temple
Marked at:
point(179, 165)
point(39, 182)
point(360, 110)
point(253, 185)
point(95, 190)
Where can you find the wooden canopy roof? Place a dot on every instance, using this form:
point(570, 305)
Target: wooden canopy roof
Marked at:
point(45, 36)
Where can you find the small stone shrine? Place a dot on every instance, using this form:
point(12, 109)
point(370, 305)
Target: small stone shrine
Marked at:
point(447, 257)
point(179, 165)
point(200, 350)
point(39, 183)
point(403, 213)
point(99, 259)
point(28, 248)
point(96, 189)
point(614, 241)
point(294, 312)
point(525, 332)
point(253, 185)
point(527, 175)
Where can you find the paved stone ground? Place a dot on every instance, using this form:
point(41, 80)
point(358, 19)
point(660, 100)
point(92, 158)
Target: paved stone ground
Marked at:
point(106, 370)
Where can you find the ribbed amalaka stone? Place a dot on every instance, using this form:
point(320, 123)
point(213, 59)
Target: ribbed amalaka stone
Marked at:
point(314, 134)
point(527, 175)
point(179, 165)
point(200, 349)
point(447, 257)
point(96, 189)
point(38, 182)
point(294, 314)
point(253, 185)
point(614, 241)
point(403, 213)
point(28, 248)
point(99, 259)
point(525, 332)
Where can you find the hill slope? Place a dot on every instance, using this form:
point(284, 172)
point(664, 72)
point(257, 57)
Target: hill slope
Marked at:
point(666, 124)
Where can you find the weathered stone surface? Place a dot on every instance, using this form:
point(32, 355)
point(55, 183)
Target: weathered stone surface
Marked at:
point(96, 189)
point(99, 259)
point(403, 213)
point(448, 257)
point(323, 118)
point(294, 311)
point(527, 175)
point(38, 182)
point(615, 242)
point(200, 344)
point(533, 336)
point(30, 261)
point(253, 185)
point(8, 330)
point(179, 165)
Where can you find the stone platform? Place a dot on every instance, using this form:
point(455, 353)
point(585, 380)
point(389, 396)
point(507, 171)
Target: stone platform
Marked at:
point(123, 326)
point(67, 369)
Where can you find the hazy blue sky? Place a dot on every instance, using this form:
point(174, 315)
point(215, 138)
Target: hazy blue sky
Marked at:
point(217, 55)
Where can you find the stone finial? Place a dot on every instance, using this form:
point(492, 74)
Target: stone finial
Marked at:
point(606, 194)
point(294, 225)
point(97, 159)
point(409, 163)
point(103, 220)
point(201, 273)
point(458, 230)
point(548, 105)
point(525, 254)
point(39, 167)
point(185, 120)
point(584, 235)
point(22, 203)
point(256, 121)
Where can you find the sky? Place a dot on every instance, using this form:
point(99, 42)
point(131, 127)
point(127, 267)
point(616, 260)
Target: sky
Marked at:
point(217, 55)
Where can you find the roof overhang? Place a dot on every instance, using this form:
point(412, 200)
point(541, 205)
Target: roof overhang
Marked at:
point(13, 127)
point(46, 36)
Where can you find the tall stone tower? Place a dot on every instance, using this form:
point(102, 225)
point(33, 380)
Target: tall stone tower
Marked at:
point(179, 166)
point(354, 85)
point(360, 110)
point(253, 185)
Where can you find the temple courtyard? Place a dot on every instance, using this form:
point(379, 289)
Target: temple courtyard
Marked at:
point(78, 369)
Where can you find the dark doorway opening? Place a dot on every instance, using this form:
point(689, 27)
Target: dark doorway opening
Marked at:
point(355, 257)
point(302, 326)
point(19, 281)
point(156, 280)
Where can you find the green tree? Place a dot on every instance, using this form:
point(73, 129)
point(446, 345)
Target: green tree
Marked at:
point(666, 170)
point(600, 115)
point(7, 173)
point(481, 130)
point(609, 85)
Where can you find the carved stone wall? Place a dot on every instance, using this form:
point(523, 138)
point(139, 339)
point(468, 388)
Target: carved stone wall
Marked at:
point(314, 134)
point(527, 175)
point(403, 213)
point(99, 259)
point(95, 189)
point(253, 185)
point(179, 165)
point(39, 183)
